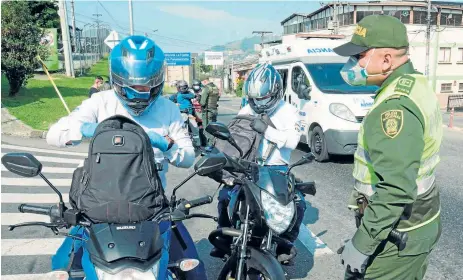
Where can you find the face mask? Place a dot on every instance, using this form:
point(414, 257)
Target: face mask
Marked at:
point(196, 87)
point(355, 75)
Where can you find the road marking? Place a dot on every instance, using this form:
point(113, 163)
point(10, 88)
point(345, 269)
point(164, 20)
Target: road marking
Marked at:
point(35, 182)
point(33, 198)
point(314, 244)
point(229, 109)
point(30, 149)
point(56, 159)
point(30, 247)
point(46, 169)
point(9, 219)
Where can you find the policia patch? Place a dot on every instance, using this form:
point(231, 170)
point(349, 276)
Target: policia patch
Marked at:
point(405, 84)
point(392, 122)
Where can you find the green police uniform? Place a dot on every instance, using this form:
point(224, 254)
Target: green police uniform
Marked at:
point(395, 162)
point(209, 103)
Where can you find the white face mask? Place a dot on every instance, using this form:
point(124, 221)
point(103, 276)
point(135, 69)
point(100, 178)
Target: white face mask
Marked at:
point(355, 75)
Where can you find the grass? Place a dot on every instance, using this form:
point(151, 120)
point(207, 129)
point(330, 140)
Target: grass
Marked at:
point(38, 104)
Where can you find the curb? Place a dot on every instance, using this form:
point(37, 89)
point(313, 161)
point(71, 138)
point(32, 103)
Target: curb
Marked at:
point(39, 134)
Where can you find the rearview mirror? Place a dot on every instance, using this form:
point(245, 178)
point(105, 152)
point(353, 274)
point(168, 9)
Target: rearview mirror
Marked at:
point(209, 164)
point(23, 164)
point(218, 130)
point(309, 157)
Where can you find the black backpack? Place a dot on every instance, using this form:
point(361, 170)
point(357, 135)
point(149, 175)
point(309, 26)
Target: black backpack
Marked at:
point(119, 182)
point(246, 138)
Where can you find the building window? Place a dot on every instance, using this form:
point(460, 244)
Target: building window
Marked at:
point(460, 87)
point(400, 12)
point(444, 55)
point(446, 87)
point(450, 18)
point(460, 55)
point(420, 16)
point(363, 11)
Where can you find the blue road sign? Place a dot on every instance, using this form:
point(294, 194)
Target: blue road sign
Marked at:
point(178, 59)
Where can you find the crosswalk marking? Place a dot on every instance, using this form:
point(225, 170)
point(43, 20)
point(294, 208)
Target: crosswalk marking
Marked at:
point(27, 247)
point(33, 198)
point(30, 149)
point(9, 219)
point(56, 159)
point(35, 182)
point(57, 170)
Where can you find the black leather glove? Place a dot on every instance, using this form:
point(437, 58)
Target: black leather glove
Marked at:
point(259, 125)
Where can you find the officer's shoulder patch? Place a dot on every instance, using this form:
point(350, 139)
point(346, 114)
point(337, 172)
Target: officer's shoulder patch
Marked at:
point(392, 122)
point(405, 84)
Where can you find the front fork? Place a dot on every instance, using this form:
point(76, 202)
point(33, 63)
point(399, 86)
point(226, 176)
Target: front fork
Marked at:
point(243, 248)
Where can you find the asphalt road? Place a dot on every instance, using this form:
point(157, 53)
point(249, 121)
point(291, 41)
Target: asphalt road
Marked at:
point(327, 221)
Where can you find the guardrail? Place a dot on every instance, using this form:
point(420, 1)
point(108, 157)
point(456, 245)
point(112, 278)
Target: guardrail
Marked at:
point(456, 102)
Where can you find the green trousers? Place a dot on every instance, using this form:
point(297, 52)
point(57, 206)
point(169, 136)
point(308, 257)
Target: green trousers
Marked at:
point(388, 263)
point(208, 116)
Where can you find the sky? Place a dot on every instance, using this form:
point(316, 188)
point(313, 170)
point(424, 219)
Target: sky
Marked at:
point(191, 26)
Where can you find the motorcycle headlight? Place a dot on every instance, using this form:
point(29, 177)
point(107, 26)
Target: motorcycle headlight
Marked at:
point(277, 216)
point(341, 111)
point(129, 274)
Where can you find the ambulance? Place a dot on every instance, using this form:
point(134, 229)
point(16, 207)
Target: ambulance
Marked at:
point(330, 110)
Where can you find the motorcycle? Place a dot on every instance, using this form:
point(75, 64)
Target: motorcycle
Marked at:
point(119, 251)
point(261, 209)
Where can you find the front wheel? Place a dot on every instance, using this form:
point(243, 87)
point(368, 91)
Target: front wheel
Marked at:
point(260, 266)
point(318, 144)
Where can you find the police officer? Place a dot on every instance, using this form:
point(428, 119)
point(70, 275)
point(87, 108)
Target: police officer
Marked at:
point(396, 158)
point(209, 104)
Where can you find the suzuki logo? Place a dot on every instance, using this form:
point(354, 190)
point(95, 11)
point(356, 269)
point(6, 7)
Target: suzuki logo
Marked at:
point(125, 227)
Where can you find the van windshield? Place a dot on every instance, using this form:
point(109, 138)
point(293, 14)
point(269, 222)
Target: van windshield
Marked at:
point(327, 78)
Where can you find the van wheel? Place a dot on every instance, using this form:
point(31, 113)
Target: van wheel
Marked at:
point(318, 144)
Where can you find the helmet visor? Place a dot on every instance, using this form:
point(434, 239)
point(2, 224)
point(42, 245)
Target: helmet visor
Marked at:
point(131, 72)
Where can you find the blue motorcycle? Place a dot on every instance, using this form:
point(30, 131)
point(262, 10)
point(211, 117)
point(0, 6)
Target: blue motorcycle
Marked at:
point(118, 251)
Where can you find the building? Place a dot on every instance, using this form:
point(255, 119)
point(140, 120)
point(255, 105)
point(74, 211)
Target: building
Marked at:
point(446, 47)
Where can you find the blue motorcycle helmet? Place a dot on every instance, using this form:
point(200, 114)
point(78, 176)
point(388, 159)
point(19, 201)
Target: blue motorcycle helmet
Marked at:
point(137, 73)
point(263, 88)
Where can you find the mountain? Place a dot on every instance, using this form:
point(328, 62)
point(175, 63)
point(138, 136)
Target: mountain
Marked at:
point(240, 49)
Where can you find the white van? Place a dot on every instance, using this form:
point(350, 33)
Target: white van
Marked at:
point(330, 110)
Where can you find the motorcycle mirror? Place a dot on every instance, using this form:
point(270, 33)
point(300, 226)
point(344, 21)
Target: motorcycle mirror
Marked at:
point(26, 165)
point(209, 164)
point(23, 164)
point(219, 130)
point(309, 157)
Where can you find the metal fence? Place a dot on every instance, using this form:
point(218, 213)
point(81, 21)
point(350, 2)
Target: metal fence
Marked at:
point(456, 102)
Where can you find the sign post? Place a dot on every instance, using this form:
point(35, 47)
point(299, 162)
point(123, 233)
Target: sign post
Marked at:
point(112, 40)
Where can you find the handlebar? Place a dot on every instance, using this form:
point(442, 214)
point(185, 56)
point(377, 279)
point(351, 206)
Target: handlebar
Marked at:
point(51, 211)
point(200, 201)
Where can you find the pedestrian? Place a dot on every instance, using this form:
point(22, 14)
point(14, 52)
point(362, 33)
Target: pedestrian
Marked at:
point(209, 104)
point(96, 86)
point(396, 157)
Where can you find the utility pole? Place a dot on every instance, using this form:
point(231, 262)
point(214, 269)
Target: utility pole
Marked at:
point(98, 30)
point(131, 17)
point(65, 39)
point(428, 39)
point(436, 49)
point(262, 33)
point(335, 18)
point(73, 25)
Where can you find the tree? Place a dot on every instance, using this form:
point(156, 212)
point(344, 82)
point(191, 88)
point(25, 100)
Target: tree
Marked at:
point(20, 44)
point(45, 13)
point(205, 68)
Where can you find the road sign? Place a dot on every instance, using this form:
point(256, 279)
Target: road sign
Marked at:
point(112, 40)
point(213, 58)
point(178, 59)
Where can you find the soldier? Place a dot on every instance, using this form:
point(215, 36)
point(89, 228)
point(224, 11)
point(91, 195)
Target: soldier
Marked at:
point(209, 104)
point(396, 158)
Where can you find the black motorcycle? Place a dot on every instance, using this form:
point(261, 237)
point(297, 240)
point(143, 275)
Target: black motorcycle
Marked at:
point(119, 251)
point(261, 209)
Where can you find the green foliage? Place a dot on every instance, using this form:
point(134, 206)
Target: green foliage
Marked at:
point(20, 44)
point(239, 88)
point(45, 13)
point(205, 68)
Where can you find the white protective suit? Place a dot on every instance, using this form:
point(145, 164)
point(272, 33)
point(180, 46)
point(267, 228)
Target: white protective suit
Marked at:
point(286, 135)
point(163, 117)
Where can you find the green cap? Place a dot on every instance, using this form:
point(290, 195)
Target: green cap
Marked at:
point(375, 31)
